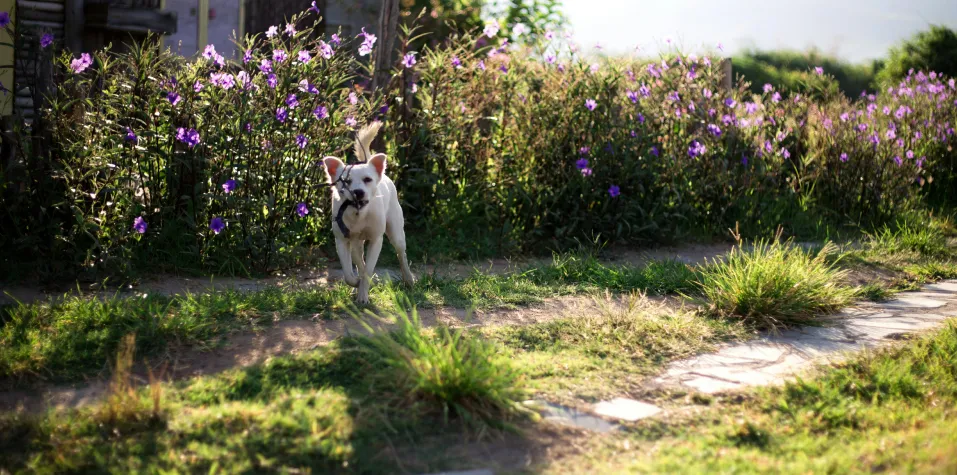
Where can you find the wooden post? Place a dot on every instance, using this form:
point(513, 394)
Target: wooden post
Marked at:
point(202, 30)
point(726, 76)
point(388, 25)
point(73, 25)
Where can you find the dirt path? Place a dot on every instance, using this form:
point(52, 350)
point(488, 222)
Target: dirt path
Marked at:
point(324, 276)
point(285, 337)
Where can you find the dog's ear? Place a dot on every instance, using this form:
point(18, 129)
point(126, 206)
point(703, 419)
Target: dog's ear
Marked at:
point(333, 167)
point(378, 162)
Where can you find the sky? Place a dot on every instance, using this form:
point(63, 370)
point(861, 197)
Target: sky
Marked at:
point(856, 30)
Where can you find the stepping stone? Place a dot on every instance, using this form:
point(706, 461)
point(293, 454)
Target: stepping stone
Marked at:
point(929, 295)
point(910, 302)
point(949, 286)
point(926, 316)
point(626, 409)
point(572, 417)
point(758, 351)
point(708, 385)
point(898, 324)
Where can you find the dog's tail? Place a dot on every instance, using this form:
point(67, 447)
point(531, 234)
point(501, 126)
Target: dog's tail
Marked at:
point(364, 139)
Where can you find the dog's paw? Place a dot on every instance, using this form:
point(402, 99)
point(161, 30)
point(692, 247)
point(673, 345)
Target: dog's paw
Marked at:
point(352, 280)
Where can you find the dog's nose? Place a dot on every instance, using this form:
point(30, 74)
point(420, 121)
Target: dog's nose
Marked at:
point(359, 194)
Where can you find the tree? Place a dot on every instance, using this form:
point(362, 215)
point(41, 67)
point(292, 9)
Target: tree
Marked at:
point(931, 50)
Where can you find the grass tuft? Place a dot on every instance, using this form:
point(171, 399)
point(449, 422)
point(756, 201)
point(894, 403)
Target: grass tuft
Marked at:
point(775, 284)
point(451, 372)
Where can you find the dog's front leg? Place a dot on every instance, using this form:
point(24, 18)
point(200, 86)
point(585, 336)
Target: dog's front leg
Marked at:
point(365, 278)
point(345, 258)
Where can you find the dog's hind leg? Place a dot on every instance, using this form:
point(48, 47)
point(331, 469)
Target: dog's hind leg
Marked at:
point(368, 268)
point(345, 259)
point(394, 228)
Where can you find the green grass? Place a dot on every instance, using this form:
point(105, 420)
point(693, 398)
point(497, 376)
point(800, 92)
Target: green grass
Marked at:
point(775, 284)
point(602, 355)
point(358, 404)
point(335, 409)
point(75, 337)
point(891, 411)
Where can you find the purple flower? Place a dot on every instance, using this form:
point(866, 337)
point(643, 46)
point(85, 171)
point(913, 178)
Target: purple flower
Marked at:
point(819, 70)
point(325, 50)
point(785, 153)
point(197, 86)
point(586, 171)
point(223, 80)
point(768, 147)
point(481, 65)
point(408, 60)
point(750, 107)
point(244, 80)
point(456, 62)
point(727, 119)
point(46, 40)
point(272, 81)
point(249, 127)
point(614, 191)
point(844, 157)
point(140, 225)
point(909, 154)
point(584, 151)
point(674, 96)
point(188, 136)
point(696, 149)
point(335, 40)
point(304, 86)
point(714, 129)
point(898, 161)
point(707, 93)
point(265, 66)
point(581, 164)
point(353, 98)
point(302, 210)
point(590, 104)
point(229, 185)
point(744, 159)
point(314, 7)
point(247, 56)
point(644, 91)
point(4, 19)
point(891, 134)
point(217, 225)
point(654, 151)
point(279, 56)
point(272, 31)
point(130, 136)
point(302, 141)
point(80, 65)
point(490, 30)
point(282, 114)
point(209, 52)
point(844, 117)
point(321, 112)
point(173, 98)
point(861, 127)
point(292, 101)
point(351, 121)
point(290, 29)
point(768, 88)
point(730, 102)
point(641, 118)
point(304, 57)
point(367, 43)
point(776, 97)
point(920, 162)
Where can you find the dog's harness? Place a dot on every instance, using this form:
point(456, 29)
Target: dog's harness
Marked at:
point(345, 176)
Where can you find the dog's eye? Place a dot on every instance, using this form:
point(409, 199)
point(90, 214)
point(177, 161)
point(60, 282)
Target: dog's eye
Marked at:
point(367, 180)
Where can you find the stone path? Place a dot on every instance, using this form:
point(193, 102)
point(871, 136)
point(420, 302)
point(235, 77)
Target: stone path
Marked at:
point(775, 358)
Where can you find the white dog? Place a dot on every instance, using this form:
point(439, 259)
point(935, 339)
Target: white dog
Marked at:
point(364, 206)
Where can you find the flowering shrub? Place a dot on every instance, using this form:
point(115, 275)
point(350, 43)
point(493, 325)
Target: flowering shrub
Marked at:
point(492, 146)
